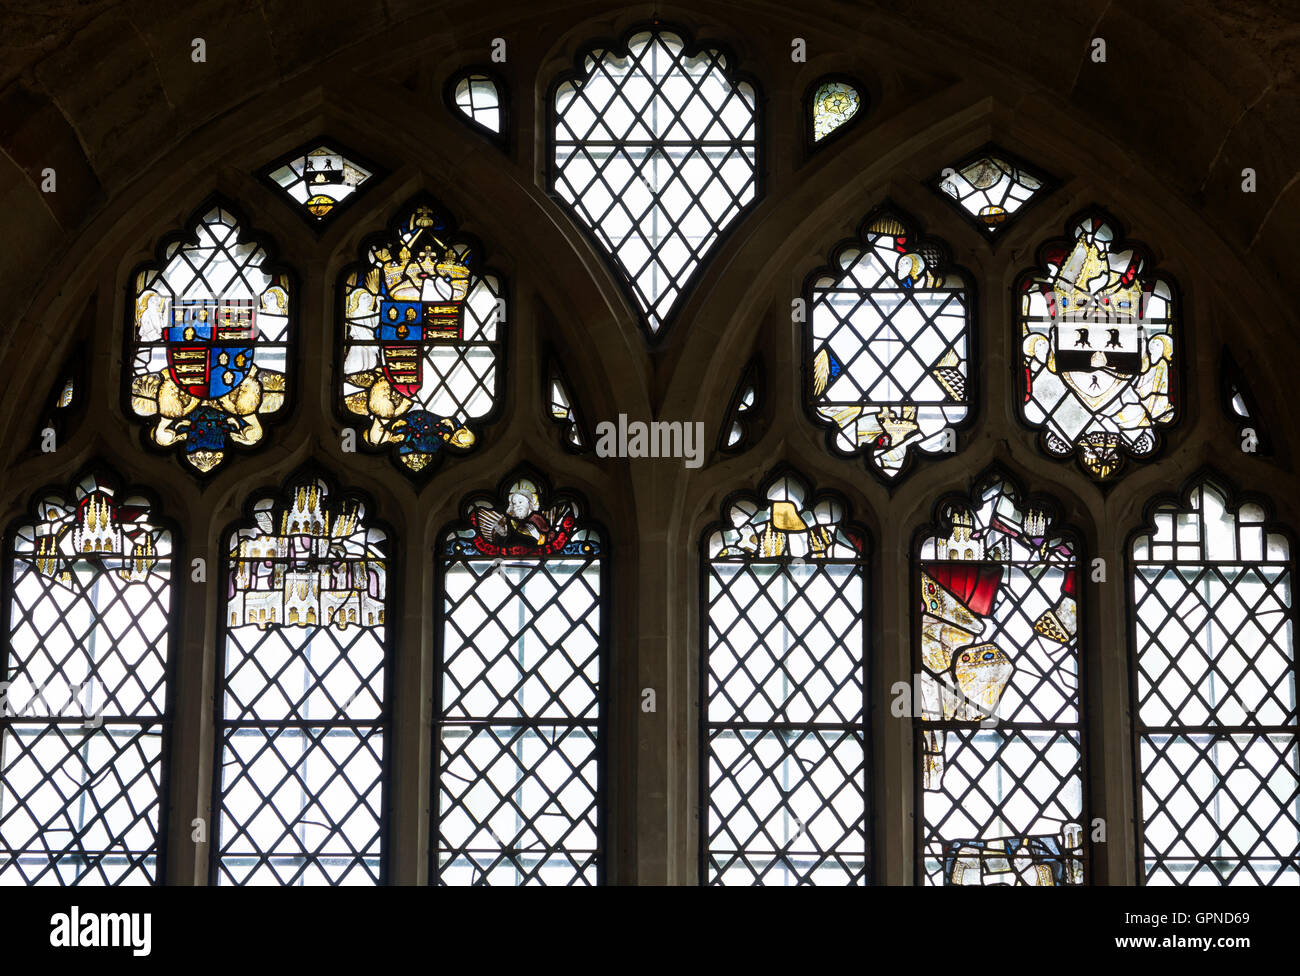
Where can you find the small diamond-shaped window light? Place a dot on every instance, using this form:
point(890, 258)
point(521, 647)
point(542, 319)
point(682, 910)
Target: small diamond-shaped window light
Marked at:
point(991, 189)
point(834, 104)
point(479, 100)
point(319, 179)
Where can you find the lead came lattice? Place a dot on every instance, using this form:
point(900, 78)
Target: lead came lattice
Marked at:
point(303, 717)
point(999, 736)
point(784, 743)
point(1215, 681)
point(656, 152)
point(85, 716)
point(518, 738)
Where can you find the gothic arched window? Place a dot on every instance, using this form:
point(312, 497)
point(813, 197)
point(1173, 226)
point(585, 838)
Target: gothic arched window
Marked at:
point(86, 713)
point(519, 687)
point(1214, 621)
point(655, 151)
point(422, 338)
point(888, 349)
point(209, 340)
point(999, 726)
point(302, 712)
point(784, 745)
point(1098, 342)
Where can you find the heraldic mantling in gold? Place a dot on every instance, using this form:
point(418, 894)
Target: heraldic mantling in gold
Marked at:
point(415, 364)
point(199, 323)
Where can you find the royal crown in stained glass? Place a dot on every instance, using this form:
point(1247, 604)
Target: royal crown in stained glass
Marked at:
point(422, 339)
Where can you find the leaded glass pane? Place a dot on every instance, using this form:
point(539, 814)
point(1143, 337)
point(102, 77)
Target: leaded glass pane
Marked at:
point(656, 152)
point(1097, 336)
point(889, 347)
point(834, 103)
point(518, 732)
point(999, 729)
point(209, 341)
point(318, 178)
point(85, 712)
point(991, 189)
point(563, 412)
point(785, 738)
point(477, 98)
point(302, 716)
point(742, 414)
point(423, 330)
point(1214, 621)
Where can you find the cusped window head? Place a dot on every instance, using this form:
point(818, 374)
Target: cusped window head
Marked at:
point(655, 151)
point(785, 743)
point(519, 725)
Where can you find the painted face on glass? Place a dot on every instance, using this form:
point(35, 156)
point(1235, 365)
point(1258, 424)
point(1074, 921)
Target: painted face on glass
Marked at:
point(521, 506)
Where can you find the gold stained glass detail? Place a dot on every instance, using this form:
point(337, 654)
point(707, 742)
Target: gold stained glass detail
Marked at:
point(833, 105)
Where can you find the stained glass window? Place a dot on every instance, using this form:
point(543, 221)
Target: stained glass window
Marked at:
point(209, 341)
point(784, 738)
point(742, 413)
point(888, 346)
point(1097, 329)
point(992, 188)
point(656, 152)
point(1214, 622)
point(477, 97)
point(84, 712)
point(562, 410)
point(834, 103)
point(318, 178)
point(999, 730)
point(302, 715)
point(518, 735)
point(423, 328)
